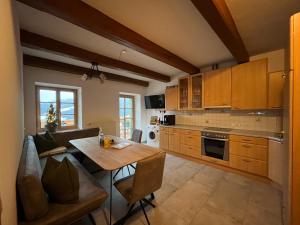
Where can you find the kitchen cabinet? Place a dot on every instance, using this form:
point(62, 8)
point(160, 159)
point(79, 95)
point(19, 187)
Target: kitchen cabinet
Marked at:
point(275, 93)
point(190, 92)
point(183, 93)
point(190, 143)
point(249, 154)
point(171, 96)
point(249, 85)
point(174, 140)
point(276, 157)
point(217, 88)
point(164, 138)
point(196, 92)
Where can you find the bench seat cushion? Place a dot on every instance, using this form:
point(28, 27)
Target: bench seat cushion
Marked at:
point(91, 196)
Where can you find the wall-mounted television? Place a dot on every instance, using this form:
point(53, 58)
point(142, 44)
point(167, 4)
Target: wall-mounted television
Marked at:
point(155, 101)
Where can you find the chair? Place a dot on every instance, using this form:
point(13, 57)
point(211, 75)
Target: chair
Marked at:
point(146, 180)
point(136, 137)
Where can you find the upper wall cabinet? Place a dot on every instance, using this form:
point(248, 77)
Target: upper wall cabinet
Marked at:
point(217, 88)
point(249, 85)
point(276, 85)
point(196, 92)
point(171, 95)
point(190, 92)
point(183, 93)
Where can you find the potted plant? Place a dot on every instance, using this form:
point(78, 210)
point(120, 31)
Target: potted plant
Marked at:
point(51, 119)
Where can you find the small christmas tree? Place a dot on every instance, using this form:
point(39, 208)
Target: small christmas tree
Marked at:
point(51, 119)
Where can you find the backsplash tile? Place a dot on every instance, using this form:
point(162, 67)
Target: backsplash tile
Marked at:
point(247, 120)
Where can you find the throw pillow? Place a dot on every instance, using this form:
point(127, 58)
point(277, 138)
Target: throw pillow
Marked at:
point(61, 181)
point(55, 151)
point(44, 142)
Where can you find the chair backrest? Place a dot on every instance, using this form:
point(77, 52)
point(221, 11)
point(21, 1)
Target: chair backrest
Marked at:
point(136, 136)
point(148, 176)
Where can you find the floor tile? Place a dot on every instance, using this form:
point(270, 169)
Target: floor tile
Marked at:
point(196, 194)
point(187, 200)
point(230, 198)
point(209, 216)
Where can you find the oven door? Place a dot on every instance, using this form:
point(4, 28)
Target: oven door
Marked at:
point(216, 148)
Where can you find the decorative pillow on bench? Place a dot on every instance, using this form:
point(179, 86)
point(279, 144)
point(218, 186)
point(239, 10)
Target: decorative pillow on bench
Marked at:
point(61, 181)
point(44, 142)
point(53, 152)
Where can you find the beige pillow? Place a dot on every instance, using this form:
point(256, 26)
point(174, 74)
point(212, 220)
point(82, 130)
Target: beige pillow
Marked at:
point(54, 151)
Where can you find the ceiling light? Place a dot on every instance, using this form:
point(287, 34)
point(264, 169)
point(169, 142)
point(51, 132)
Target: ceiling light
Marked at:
point(93, 71)
point(102, 77)
point(84, 77)
point(123, 51)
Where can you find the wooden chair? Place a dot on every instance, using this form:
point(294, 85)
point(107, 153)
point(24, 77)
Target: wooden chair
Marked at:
point(146, 180)
point(136, 137)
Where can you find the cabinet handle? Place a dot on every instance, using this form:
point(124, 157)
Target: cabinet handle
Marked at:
point(190, 137)
point(246, 140)
point(245, 160)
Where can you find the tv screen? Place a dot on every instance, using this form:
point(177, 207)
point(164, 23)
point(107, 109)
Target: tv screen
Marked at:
point(155, 102)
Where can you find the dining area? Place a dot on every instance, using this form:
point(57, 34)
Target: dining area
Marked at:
point(127, 168)
point(70, 177)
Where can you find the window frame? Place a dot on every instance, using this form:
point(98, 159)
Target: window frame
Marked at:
point(133, 111)
point(58, 90)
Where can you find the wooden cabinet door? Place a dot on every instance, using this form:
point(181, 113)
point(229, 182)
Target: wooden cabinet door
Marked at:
point(183, 93)
point(249, 85)
point(164, 140)
point(174, 141)
point(257, 167)
point(276, 84)
point(171, 95)
point(238, 162)
point(195, 87)
point(276, 159)
point(217, 88)
point(193, 151)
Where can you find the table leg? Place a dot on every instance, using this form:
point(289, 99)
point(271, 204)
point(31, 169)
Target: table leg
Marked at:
point(110, 204)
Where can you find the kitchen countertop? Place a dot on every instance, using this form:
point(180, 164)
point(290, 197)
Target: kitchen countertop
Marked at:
point(264, 134)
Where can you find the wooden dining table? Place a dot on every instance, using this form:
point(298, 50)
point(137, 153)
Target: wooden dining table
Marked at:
point(111, 159)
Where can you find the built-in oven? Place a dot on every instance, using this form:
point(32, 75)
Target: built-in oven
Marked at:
point(215, 145)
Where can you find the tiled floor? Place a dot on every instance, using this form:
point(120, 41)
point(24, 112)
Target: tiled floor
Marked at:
point(197, 194)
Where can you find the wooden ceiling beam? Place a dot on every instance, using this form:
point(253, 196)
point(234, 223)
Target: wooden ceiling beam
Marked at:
point(36, 41)
point(87, 17)
point(69, 68)
point(220, 19)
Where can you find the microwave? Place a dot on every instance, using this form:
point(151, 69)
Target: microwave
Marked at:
point(169, 120)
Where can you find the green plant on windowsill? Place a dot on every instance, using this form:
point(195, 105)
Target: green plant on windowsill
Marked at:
point(51, 119)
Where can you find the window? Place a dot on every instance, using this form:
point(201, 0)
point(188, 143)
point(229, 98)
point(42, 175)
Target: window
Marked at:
point(127, 115)
point(65, 105)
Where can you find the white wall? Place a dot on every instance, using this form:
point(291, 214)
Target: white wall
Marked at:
point(276, 59)
point(11, 110)
point(99, 101)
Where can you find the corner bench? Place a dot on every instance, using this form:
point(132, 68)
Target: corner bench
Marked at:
point(32, 198)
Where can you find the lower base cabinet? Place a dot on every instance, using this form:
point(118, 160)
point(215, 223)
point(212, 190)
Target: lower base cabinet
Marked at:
point(249, 165)
point(174, 140)
point(193, 151)
point(248, 154)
